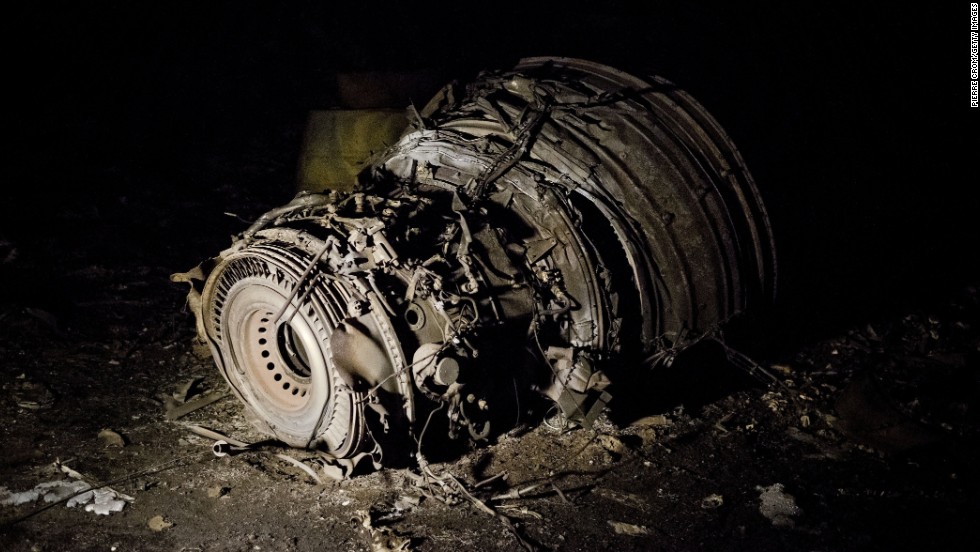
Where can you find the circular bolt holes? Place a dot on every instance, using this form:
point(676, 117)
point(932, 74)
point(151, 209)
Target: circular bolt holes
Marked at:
point(296, 391)
point(285, 386)
point(415, 316)
point(265, 319)
point(271, 366)
point(261, 330)
point(265, 354)
point(277, 377)
point(263, 341)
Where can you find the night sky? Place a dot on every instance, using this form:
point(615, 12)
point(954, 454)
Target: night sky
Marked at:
point(855, 123)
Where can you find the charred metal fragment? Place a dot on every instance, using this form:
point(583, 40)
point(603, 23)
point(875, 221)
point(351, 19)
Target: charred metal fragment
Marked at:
point(542, 228)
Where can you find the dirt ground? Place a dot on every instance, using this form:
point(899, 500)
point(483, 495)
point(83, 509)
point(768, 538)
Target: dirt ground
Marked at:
point(867, 440)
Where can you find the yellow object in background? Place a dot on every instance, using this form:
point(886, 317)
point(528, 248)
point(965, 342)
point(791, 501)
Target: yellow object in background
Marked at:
point(338, 143)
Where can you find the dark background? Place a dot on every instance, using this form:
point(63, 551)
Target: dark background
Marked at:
point(127, 123)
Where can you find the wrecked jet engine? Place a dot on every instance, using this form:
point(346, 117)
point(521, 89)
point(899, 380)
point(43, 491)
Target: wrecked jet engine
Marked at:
point(534, 233)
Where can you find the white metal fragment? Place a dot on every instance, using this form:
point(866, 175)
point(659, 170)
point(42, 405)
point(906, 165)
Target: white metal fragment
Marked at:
point(50, 491)
point(99, 501)
point(777, 506)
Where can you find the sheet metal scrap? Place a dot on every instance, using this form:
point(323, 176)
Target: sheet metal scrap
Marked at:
point(539, 229)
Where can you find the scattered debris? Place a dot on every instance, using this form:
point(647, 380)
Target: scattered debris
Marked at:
point(333, 472)
point(407, 502)
point(783, 369)
point(306, 469)
point(100, 501)
point(338, 469)
point(158, 523)
point(647, 435)
point(30, 395)
point(778, 506)
point(625, 499)
point(112, 438)
point(380, 539)
point(622, 528)
point(720, 424)
point(446, 488)
point(613, 445)
point(805, 421)
point(223, 448)
point(775, 400)
point(517, 510)
point(218, 437)
point(188, 389)
point(176, 411)
point(49, 491)
point(712, 502)
point(63, 468)
point(218, 491)
point(516, 493)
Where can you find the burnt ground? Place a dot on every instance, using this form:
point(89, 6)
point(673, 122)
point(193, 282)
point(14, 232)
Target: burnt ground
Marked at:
point(868, 438)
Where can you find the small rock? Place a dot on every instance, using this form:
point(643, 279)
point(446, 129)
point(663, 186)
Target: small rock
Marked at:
point(218, 491)
point(783, 369)
point(157, 523)
point(777, 506)
point(613, 445)
point(712, 501)
point(29, 395)
point(112, 438)
point(647, 435)
point(628, 529)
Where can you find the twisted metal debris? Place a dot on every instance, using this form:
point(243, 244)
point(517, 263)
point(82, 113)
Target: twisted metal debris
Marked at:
point(539, 231)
